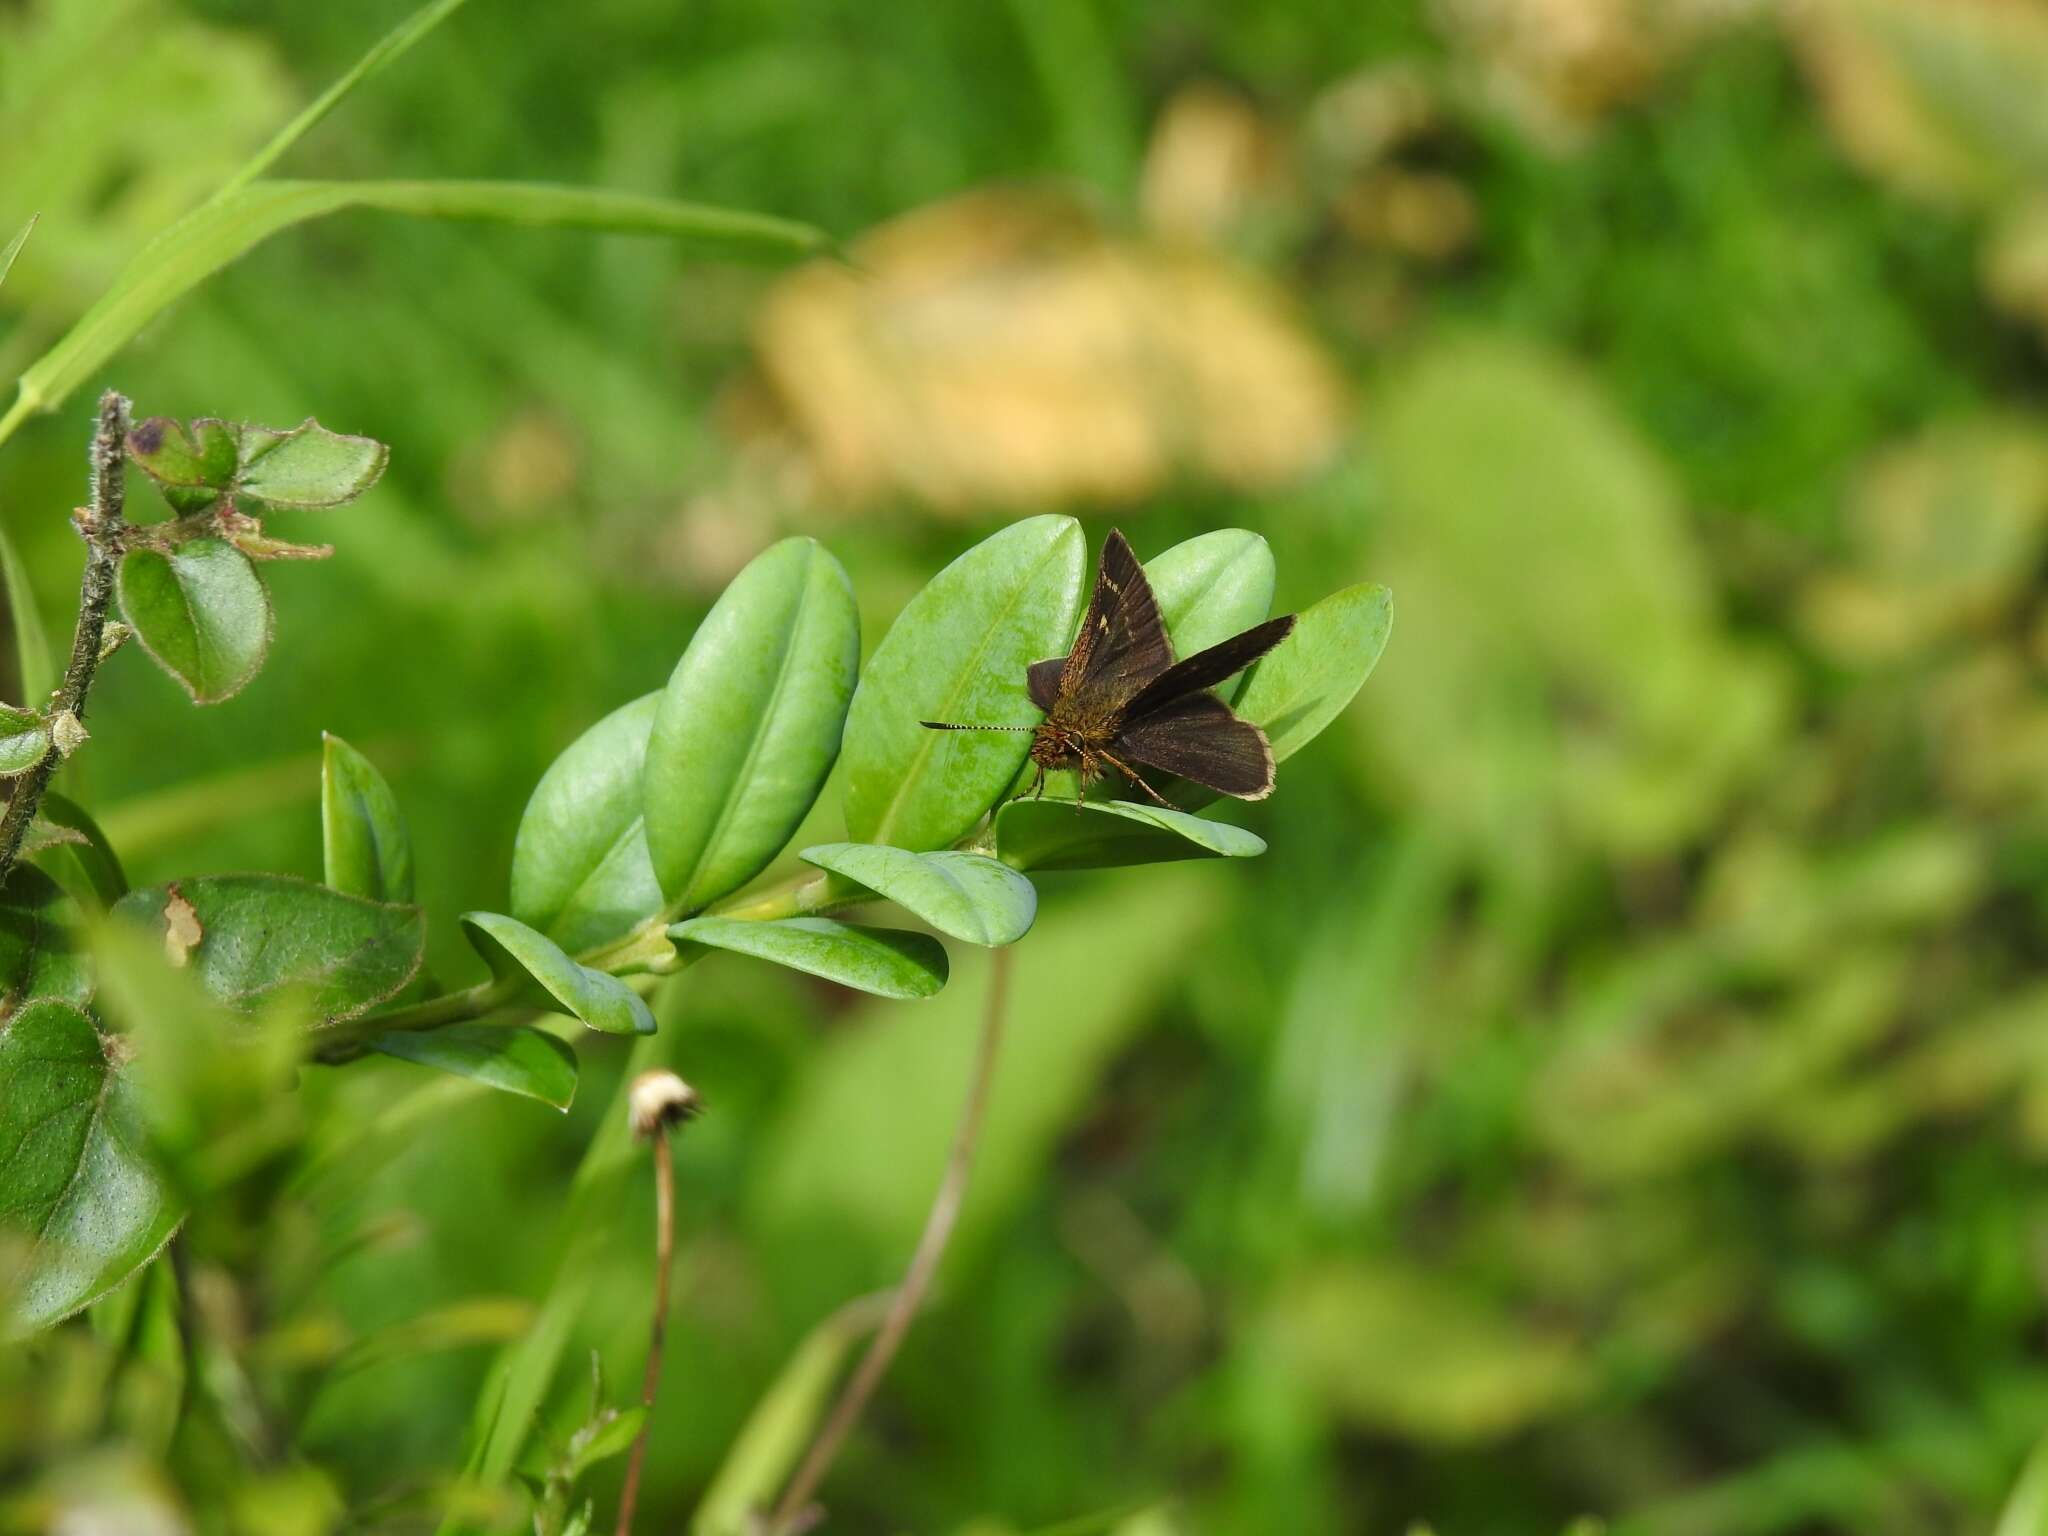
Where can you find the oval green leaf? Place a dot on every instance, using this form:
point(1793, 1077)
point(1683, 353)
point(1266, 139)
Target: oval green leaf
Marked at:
point(1211, 587)
point(42, 953)
point(81, 1205)
point(512, 949)
point(366, 849)
point(963, 895)
point(884, 961)
point(749, 723)
point(581, 872)
point(958, 652)
point(201, 612)
point(1306, 680)
point(254, 940)
point(24, 740)
point(307, 466)
point(516, 1058)
point(1051, 834)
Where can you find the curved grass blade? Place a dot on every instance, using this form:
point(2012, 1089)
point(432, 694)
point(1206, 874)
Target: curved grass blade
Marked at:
point(884, 961)
point(213, 236)
point(963, 895)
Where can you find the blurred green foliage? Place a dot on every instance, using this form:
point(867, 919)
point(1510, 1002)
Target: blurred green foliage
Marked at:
point(1622, 1087)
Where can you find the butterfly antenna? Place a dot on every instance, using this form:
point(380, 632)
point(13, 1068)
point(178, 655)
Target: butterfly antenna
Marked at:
point(948, 725)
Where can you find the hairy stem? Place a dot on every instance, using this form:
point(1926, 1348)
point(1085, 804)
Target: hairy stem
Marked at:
point(664, 1263)
point(924, 1263)
point(99, 523)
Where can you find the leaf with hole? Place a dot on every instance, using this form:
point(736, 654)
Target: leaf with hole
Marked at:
point(958, 652)
point(366, 850)
point(1051, 834)
point(41, 953)
point(24, 740)
point(884, 961)
point(514, 1057)
point(551, 979)
point(581, 872)
point(201, 613)
point(81, 1204)
point(963, 895)
point(255, 940)
point(1308, 678)
point(749, 724)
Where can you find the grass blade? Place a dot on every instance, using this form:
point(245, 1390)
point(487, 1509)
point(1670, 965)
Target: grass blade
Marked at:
point(386, 51)
point(205, 241)
point(31, 642)
point(14, 247)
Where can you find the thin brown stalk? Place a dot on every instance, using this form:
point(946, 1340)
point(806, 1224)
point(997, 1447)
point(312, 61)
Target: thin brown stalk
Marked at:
point(659, 1101)
point(100, 524)
point(794, 1513)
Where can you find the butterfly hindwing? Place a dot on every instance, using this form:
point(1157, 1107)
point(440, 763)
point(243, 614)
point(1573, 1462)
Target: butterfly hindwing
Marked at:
point(1042, 679)
point(1196, 737)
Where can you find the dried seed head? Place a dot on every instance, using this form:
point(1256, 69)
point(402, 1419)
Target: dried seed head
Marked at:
point(660, 1100)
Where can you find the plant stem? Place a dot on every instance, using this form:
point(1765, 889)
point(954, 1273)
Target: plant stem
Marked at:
point(99, 523)
point(924, 1263)
point(664, 1261)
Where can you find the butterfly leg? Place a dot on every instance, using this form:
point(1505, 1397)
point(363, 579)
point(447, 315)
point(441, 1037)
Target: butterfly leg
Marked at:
point(1132, 775)
point(1038, 784)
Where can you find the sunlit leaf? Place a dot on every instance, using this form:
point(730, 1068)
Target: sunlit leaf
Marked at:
point(365, 846)
point(512, 949)
point(884, 961)
point(251, 940)
point(81, 1206)
point(1051, 834)
point(961, 894)
point(1211, 587)
point(24, 740)
point(581, 873)
point(958, 652)
point(1305, 681)
point(308, 466)
point(201, 613)
point(750, 722)
point(515, 1057)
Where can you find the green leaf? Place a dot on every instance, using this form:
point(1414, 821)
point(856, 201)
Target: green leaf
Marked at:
point(611, 1433)
point(307, 467)
point(201, 612)
point(212, 236)
point(1051, 834)
point(581, 873)
point(81, 1206)
point(764, 1452)
point(24, 740)
point(14, 247)
point(366, 849)
point(749, 723)
point(1211, 587)
point(962, 894)
point(41, 954)
point(252, 940)
point(1308, 678)
point(958, 652)
point(95, 854)
point(884, 961)
point(2026, 1507)
point(516, 1057)
point(202, 457)
point(513, 950)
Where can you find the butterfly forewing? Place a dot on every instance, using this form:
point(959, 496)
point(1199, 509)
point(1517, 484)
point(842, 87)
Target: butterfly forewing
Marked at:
point(1196, 737)
point(1205, 669)
point(1122, 646)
